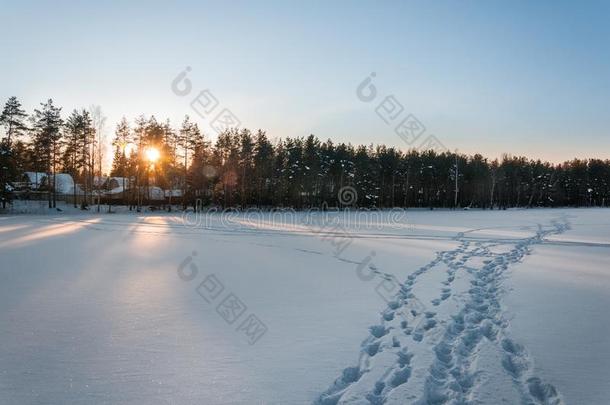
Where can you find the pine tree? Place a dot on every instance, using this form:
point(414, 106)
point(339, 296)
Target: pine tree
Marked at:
point(169, 164)
point(188, 138)
point(200, 172)
point(121, 142)
point(86, 155)
point(311, 166)
point(136, 161)
point(12, 119)
point(47, 134)
point(263, 168)
point(73, 163)
point(245, 166)
point(120, 163)
point(98, 121)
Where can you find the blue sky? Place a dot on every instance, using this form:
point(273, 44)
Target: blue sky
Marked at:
point(529, 78)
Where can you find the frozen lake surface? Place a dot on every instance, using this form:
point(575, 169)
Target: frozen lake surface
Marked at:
point(352, 308)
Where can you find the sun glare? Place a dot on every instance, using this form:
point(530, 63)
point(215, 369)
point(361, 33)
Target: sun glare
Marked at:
point(152, 155)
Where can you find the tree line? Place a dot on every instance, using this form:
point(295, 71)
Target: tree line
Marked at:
point(45, 142)
point(244, 168)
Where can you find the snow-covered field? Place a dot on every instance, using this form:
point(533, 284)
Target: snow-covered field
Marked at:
point(396, 307)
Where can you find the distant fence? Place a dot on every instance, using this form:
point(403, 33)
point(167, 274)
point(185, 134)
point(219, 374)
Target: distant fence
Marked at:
point(26, 207)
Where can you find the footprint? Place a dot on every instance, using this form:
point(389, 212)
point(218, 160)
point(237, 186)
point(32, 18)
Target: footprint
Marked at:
point(400, 377)
point(404, 359)
point(393, 305)
point(378, 331)
point(514, 365)
point(373, 348)
point(388, 316)
point(543, 392)
point(395, 342)
point(511, 347)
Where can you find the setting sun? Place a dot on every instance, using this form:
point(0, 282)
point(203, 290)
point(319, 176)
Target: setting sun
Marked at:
point(152, 155)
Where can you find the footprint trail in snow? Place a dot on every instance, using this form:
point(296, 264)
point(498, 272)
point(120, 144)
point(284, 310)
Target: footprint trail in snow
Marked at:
point(426, 350)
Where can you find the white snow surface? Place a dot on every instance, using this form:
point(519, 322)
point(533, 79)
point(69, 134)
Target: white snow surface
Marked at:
point(401, 307)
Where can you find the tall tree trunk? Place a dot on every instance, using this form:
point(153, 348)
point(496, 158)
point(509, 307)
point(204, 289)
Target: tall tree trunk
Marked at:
point(54, 177)
point(185, 175)
point(49, 192)
point(491, 195)
point(406, 198)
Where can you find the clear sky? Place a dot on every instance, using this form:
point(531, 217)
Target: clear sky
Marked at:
point(529, 78)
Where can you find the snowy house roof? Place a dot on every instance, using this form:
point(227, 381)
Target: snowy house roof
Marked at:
point(110, 182)
point(64, 183)
point(156, 193)
point(35, 178)
point(115, 182)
